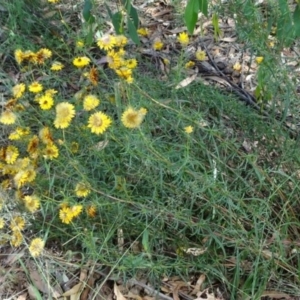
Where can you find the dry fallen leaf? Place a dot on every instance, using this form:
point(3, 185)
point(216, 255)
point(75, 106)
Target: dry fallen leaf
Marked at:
point(247, 146)
point(118, 294)
point(195, 251)
point(39, 282)
point(199, 282)
point(177, 288)
point(75, 290)
point(185, 82)
point(276, 295)
point(22, 297)
point(205, 295)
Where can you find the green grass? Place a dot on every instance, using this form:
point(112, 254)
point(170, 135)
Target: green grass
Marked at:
point(166, 190)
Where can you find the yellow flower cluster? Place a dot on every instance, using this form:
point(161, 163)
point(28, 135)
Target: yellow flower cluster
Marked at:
point(17, 224)
point(114, 46)
point(68, 213)
point(38, 57)
point(29, 147)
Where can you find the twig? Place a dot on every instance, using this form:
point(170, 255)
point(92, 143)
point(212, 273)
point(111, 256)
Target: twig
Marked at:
point(151, 290)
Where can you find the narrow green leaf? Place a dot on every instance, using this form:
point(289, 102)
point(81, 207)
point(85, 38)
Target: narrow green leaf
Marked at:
point(145, 241)
point(134, 15)
point(296, 19)
point(87, 7)
point(215, 23)
point(127, 5)
point(285, 30)
point(117, 20)
point(191, 15)
point(203, 7)
point(90, 35)
point(133, 31)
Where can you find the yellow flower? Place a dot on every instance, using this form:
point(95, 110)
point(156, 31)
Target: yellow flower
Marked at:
point(46, 136)
point(17, 223)
point(22, 163)
point(166, 61)
point(121, 41)
point(157, 44)
point(99, 122)
point(45, 102)
point(65, 112)
point(237, 67)
point(82, 189)
point(201, 55)
point(183, 38)
point(132, 118)
point(11, 103)
point(6, 185)
point(50, 92)
point(32, 203)
point(19, 56)
point(188, 129)
point(93, 76)
point(76, 210)
point(143, 31)
point(20, 179)
point(35, 87)
point(30, 56)
point(124, 72)
point(66, 215)
point(271, 43)
point(37, 245)
point(8, 117)
point(91, 211)
point(90, 102)
point(79, 44)
point(18, 133)
point(18, 90)
point(121, 52)
point(129, 79)
point(2, 223)
point(131, 63)
point(259, 59)
point(42, 55)
point(11, 154)
point(189, 64)
point(51, 151)
point(19, 107)
point(32, 147)
point(115, 60)
point(16, 238)
point(56, 66)
point(106, 42)
point(81, 62)
point(30, 174)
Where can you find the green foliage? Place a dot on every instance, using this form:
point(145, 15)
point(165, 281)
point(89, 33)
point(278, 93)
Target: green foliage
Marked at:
point(132, 20)
point(192, 9)
point(215, 23)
